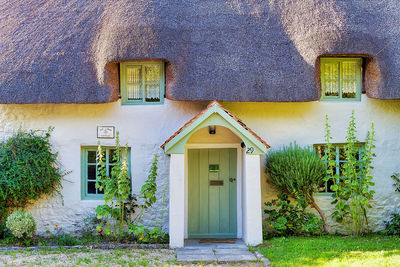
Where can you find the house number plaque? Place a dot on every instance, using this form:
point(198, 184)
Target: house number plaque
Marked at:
point(250, 150)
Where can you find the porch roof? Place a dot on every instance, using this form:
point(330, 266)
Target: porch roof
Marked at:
point(215, 114)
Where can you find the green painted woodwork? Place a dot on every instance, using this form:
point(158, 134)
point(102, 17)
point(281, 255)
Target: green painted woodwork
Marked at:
point(141, 77)
point(88, 161)
point(340, 159)
point(341, 79)
point(215, 115)
point(212, 210)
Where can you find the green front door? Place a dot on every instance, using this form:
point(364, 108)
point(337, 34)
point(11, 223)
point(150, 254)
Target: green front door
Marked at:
point(212, 193)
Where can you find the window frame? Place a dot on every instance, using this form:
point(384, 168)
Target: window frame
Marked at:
point(123, 78)
point(341, 60)
point(84, 170)
point(337, 161)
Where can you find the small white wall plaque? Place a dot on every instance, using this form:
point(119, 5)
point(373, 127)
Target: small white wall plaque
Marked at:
point(106, 132)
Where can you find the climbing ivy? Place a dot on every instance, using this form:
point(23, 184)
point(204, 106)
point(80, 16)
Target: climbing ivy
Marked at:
point(29, 169)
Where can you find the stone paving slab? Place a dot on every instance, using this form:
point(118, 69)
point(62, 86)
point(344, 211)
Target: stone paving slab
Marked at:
point(237, 257)
point(210, 252)
point(232, 251)
point(243, 246)
point(193, 251)
point(194, 243)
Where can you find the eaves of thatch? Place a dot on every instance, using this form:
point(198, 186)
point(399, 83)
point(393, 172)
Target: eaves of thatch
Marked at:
point(59, 51)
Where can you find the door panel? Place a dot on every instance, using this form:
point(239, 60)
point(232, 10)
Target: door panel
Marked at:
point(212, 193)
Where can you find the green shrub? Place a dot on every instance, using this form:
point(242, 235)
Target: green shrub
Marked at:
point(28, 170)
point(146, 235)
point(21, 224)
point(286, 219)
point(3, 230)
point(297, 171)
point(66, 240)
point(393, 225)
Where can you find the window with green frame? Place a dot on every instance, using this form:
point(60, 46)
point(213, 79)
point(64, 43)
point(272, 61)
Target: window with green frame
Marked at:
point(89, 168)
point(340, 159)
point(142, 82)
point(341, 79)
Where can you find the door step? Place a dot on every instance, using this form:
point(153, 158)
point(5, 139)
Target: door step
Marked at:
point(218, 241)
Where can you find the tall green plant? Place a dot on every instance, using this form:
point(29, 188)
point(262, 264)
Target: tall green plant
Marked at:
point(149, 188)
point(148, 196)
point(117, 190)
point(396, 179)
point(352, 192)
point(297, 171)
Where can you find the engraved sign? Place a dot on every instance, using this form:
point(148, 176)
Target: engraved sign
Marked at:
point(106, 132)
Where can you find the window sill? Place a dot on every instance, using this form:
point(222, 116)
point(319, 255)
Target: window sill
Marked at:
point(96, 198)
point(340, 100)
point(141, 103)
point(323, 195)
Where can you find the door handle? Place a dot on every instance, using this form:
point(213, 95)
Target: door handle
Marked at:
point(232, 180)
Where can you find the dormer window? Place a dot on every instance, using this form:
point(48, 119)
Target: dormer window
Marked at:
point(341, 79)
point(142, 82)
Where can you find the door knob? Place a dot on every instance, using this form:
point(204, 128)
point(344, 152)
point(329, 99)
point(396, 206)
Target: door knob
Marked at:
point(232, 180)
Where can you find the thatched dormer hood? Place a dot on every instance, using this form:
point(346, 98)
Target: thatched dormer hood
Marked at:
point(66, 51)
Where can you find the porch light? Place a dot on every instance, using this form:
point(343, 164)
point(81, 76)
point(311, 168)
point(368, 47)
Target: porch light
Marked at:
point(212, 129)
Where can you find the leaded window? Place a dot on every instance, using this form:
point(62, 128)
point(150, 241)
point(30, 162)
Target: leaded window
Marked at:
point(340, 159)
point(341, 78)
point(89, 169)
point(142, 82)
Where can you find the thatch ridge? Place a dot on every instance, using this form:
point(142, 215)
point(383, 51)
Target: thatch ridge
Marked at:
point(57, 51)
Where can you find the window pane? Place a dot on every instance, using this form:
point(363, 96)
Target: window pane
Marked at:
point(349, 79)
point(342, 154)
point(152, 83)
point(152, 92)
point(91, 172)
point(91, 187)
point(100, 191)
point(152, 73)
point(134, 83)
point(111, 156)
point(328, 185)
point(320, 151)
point(110, 169)
point(91, 156)
point(341, 167)
point(331, 79)
point(322, 187)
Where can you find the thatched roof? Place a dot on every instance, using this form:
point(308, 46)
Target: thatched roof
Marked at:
point(232, 50)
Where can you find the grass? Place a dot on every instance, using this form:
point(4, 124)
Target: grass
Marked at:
point(88, 257)
point(372, 250)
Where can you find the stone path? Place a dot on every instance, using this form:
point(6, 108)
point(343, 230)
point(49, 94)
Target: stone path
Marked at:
point(194, 251)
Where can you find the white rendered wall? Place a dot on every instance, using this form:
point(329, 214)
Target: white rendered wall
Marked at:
point(252, 214)
point(145, 128)
point(177, 201)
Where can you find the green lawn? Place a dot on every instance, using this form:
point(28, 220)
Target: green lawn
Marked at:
point(88, 257)
point(371, 250)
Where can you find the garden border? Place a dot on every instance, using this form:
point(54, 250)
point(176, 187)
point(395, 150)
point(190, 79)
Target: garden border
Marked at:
point(101, 246)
